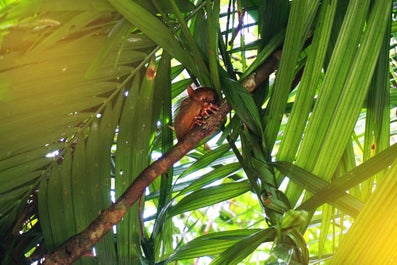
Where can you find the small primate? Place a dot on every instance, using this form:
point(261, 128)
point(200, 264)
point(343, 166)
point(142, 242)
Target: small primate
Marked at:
point(195, 109)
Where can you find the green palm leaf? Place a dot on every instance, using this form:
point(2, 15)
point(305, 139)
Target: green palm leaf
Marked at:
point(88, 92)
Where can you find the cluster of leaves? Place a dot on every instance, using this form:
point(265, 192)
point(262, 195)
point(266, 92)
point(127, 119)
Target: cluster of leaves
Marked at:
point(82, 115)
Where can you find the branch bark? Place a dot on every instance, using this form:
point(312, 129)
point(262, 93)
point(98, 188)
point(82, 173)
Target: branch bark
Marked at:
point(78, 244)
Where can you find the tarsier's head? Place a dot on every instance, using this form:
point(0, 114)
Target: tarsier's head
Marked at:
point(204, 95)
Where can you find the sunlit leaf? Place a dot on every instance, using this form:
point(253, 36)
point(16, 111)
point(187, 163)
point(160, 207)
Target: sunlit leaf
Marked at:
point(206, 159)
point(209, 196)
point(237, 252)
point(211, 244)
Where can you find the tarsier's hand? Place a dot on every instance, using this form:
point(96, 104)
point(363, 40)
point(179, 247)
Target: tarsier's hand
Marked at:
point(208, 109)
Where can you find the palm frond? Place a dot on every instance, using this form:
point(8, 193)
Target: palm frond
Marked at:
point(87, 96)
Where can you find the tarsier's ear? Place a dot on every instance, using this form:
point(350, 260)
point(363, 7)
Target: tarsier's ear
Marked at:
point(190, 91)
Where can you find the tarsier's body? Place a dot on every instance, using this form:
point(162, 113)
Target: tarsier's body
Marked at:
point(195, 109)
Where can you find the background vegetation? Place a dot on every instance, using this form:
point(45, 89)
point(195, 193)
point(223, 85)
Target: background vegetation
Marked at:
point(302, 171)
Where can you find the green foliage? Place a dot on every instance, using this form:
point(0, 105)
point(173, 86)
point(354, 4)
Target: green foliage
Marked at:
point(88, 92)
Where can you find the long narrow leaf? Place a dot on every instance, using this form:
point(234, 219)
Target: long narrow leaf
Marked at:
point(373, 238)
point(243, 248)
point(155, 30)
point(211, 244)
point(210, 196)
point(354, 177)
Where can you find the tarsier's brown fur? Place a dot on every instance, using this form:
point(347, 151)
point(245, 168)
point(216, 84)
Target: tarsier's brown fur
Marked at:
point(195, 109)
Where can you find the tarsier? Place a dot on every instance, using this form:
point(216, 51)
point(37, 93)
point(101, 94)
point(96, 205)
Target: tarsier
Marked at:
point(195, 109)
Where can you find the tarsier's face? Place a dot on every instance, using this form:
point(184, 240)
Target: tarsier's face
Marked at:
point(205, 96)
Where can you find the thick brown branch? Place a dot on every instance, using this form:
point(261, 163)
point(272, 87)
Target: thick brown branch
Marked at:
point(74, 247)
point(77, 245)
point(263, 72)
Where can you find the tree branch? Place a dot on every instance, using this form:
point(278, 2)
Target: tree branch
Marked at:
point(77, 245)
